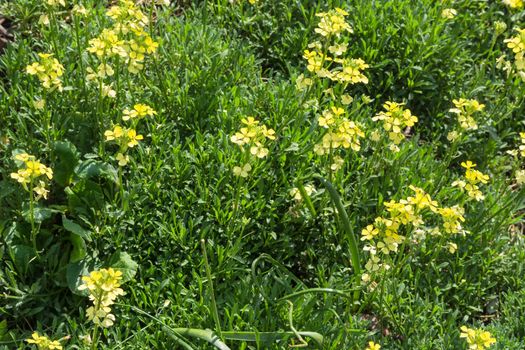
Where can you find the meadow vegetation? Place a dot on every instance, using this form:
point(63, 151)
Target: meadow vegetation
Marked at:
point(258, 174)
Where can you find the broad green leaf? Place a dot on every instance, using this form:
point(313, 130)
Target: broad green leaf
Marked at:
point(79, 248)
point(92, 168)
point(40, 213)
point(123, 262)
point(74, 274)
point(66, 159)
point(21, 256)
point(75, 228)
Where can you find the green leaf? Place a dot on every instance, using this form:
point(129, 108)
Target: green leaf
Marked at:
point(66, 159)
point(123, 262)
point(92, 168)
point(75, 228)
point(40, 214)
point(21, 256)
point(79, 248)
point(74, 273)
point(3, 329)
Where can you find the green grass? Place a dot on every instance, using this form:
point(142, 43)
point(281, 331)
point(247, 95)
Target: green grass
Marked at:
point(277, 267)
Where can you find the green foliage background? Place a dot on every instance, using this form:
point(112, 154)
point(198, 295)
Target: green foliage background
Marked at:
point(217, 63)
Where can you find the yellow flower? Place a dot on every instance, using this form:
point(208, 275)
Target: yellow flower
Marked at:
point(515, 4)
point(56, 2)
point(255, 136)
point(41, 190)
point(477, 339)
point(80, 10)
point(48, 71)
point(395, 120)
point(104, 287)
point(465, 110)
point(296, 193)
point(31, 169)
point(346, 99)
point(302, 83)
point(242, 171)
point(35, 68)
point(333, 23)
point(373, 346)
point(139, 111)
point(369, 233)
point(150, 45)
point(337, 163)
point(133, 138)
point(43, 342)
point(452, 247)
point(520, 177)
point(449, 13)
point(116, 133)
point(122, 159)
point(452, 218)
point(473, 177)
point(39, 104)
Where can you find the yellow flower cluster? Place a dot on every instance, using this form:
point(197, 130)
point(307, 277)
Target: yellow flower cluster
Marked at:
point(395, 120)
point(465, 110)
point(48, 71)
point(104, 287)
point(342, 132)
point(296, 193)
point(449, 13)
point(477, 339)
point(126, 40)
point(514, 4)
point(336, 68)
point(56, 2)
point(128, 137)
point(517, 44)
point(452, 218)
point(333, 23)
point(349, 70)
point(30, 171)
point(383, 236)
point(139, 111)
point(473, 178)
point(243, 171)
point(44, 343)
point(254, 136)
point(125, 138)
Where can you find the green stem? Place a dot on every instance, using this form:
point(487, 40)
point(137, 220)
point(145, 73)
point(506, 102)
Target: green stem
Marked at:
point(32, 216)
point(352, 242)
point(94, 339)
point(215, 313)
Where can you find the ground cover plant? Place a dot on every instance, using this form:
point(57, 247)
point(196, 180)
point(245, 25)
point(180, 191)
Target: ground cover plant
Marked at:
point(255, 174)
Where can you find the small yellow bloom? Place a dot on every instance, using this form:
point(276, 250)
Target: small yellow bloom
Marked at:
point(477, 339)
point(116, 133)
point(514, 4)
point(43, 342)
point(373, 346)
point(139, 111)
point(133, 138)
point(449, 13)
point(56, 2)
point(452, 247)
point(520, 177)
point(242, 171)
point(122, 159)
